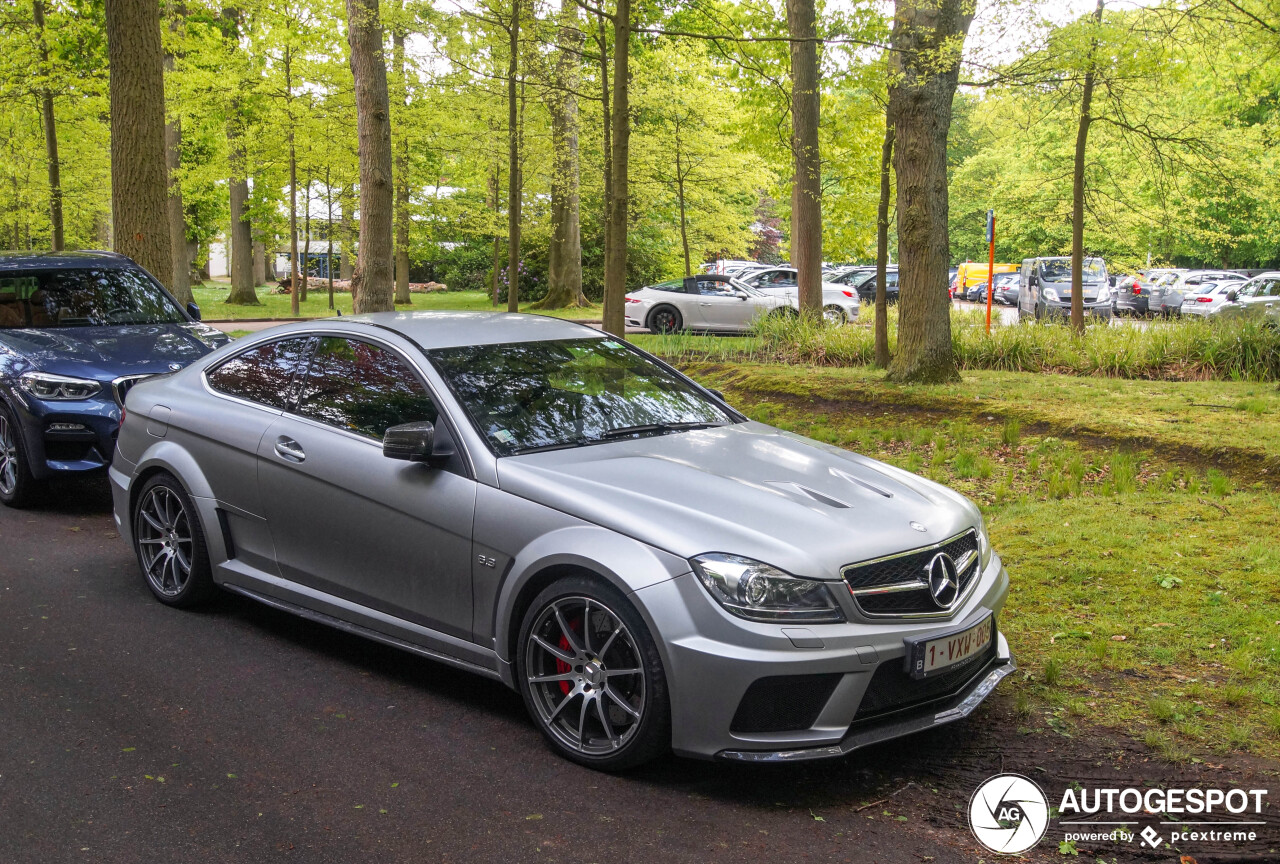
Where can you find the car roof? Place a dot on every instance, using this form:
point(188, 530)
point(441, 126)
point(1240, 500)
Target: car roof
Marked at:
point(443, 329)
point(19, 260)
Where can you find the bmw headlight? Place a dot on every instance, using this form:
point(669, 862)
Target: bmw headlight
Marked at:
point(759, 592)
point(1050, 294)
point(58, 388)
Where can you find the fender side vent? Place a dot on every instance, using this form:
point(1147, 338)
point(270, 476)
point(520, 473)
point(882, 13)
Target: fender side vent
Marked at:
point(226, 533)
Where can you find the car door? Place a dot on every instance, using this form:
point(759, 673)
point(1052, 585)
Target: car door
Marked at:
point(391, 535)
point(1264, 298)
point(723, 307)
point(253, 387)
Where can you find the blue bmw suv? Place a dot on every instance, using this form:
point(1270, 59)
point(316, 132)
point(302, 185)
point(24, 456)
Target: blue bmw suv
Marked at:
point(77, 330)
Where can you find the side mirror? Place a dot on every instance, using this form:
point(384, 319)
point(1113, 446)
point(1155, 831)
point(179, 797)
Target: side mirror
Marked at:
point(716, 393)
point(742, 296)
point(193, 310)
point(412, 442)
point(1232, 295)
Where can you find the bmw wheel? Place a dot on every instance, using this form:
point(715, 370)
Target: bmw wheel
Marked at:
point(16, 482)
point(666, 319)
point(170, 543)
point(591, 676)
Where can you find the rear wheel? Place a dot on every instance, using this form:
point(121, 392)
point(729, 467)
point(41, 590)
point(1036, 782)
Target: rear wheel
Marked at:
point(591, 676)
point(666, 319)
point(16, 483)
point(169, 542)
point(834, 315)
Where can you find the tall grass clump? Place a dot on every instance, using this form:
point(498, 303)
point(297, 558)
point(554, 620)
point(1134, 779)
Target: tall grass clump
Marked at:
point(1232, 350)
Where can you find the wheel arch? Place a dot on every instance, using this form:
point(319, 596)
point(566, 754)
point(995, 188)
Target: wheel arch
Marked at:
point(168, 458)
point(658, 307)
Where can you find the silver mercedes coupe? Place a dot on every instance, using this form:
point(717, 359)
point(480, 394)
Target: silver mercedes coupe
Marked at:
point(535, 501)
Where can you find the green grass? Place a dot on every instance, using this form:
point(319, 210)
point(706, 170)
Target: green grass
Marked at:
point(1144, 581)
point(212, 307)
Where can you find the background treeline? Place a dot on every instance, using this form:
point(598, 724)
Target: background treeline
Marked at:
point(1181, 161)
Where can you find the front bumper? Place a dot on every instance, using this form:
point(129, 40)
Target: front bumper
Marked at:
point(66, 437)
point(1091, 307)
point(848, 675)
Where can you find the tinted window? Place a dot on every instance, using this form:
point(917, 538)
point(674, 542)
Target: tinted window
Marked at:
point(82, 298)
point(263, 374)
point(531, 395)
point(362, 388)
point(676, 285)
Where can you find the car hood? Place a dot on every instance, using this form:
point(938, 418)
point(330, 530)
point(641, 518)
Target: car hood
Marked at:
point(746, 489)
point(103, 353)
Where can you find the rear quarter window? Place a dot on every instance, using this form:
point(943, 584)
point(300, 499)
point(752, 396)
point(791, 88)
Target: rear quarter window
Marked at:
point(264, 374)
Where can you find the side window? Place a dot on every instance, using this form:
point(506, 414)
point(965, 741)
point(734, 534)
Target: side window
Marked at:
point(362, 388)
point(264, 374)
point(710, 288)
point(891, 279)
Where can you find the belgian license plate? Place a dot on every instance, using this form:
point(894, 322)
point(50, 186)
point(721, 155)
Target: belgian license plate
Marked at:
point(930, 655)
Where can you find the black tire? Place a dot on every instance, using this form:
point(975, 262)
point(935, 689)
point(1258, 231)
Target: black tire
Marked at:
point(17, 486)
point(835, 315)
point(161, 512)
point(665, 319)
point(559, 707)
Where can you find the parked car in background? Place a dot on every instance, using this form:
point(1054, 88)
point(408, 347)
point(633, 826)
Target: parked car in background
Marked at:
point(541, 504)
point(1044, 290)
point(839, 304)
point(1259, 297)
point(1006, 292)
point(1208, 298)
point(977, 292)
point(709, 301)
point(1168, 291)
point(77, 331)
point(863, 281)
point(970, 273)
point(1132, 292)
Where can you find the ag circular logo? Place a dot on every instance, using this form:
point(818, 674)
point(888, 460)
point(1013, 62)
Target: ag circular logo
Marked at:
point(1008, 814)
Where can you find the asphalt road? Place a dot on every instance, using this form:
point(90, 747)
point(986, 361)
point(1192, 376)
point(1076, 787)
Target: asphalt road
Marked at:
point(131, 732)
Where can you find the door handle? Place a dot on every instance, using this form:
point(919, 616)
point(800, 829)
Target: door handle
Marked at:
point(290, 450)
point(704, 304)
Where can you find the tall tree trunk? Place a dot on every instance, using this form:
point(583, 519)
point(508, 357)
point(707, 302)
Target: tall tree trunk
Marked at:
point(925, 64)
point(139, 184)
point(684, 221)
point(806, 183)
point(615, 252)
point(514, 180)
point(882, 249)
point(348, 265)
point(242, 288)
point(495, 183)
point(371, 283)
point(402, 168)
point(1077, 189)
point(181, 288)
point(294, 271)
point(304, 282)
point(51, 137)
point(606, 123)
point(565, 272)
point(328, 268)
point(259, 263)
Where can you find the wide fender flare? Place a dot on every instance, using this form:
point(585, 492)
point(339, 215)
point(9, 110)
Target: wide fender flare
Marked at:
point(624, 562)
point(173, 458)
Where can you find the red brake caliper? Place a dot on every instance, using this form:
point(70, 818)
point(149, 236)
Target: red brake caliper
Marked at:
point(561, 666)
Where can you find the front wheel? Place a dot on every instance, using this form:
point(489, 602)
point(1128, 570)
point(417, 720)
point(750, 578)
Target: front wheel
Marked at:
point(591, 676)
point(169, 542)
point(834, 315)
point(16, 483)
point(665, 319)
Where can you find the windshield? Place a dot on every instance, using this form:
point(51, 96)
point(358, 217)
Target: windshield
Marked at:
point(83, 298)
point(527, 396)
point(1059, 270)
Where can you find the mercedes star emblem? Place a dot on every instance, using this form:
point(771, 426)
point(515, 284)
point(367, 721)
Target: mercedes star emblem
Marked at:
point(944, 581)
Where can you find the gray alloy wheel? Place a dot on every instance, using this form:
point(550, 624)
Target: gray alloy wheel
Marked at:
point(834, 315)
point(170, 543)
point(665, 319)
point(591, 676)
point(16, 482)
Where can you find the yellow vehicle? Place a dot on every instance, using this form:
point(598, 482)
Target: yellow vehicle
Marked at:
point(973, 272)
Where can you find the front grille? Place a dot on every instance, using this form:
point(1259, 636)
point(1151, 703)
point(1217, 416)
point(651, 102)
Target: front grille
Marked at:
point(892, 688)
point(905, 570)
point(783, 703)
point(121, 386)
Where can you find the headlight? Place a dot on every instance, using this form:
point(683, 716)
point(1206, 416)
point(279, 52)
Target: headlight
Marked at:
point(1050, 294)
point(1103, 295)
point(58, 388)
point(984, 545)
point(759, 592)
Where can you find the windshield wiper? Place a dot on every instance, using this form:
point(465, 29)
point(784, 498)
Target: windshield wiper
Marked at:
point(657, 429)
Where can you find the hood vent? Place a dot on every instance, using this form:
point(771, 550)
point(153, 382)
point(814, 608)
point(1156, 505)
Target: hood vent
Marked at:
point(844, 475)
point(811, 494)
